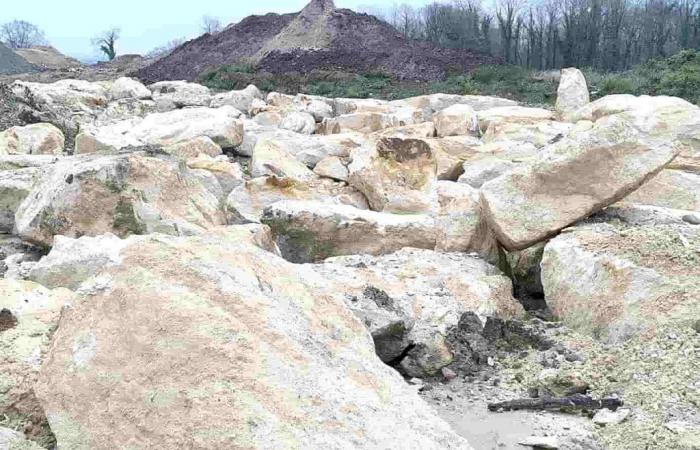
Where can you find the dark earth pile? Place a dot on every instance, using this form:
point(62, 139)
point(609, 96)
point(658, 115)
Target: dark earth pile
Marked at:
point(235, 43)
point(319, 37)
point(12, 63)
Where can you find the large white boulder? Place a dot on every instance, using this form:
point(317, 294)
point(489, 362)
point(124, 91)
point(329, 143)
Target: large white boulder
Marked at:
point(456, 120)
point(310, 231)
point(15, 186)
point(299, 122)
point(572, 93)
point(165, 129)
point(34, 139)
point(247, 202)
point(125, 87)
point(179, 94)
point(512, 114)
point(212, 342)
point(404, 300)
point(620, 279)
point(123, 194)
point(270, 158)
point(28, 316)
point(396, 175)
point(571, 180)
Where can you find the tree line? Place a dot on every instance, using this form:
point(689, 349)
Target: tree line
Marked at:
point(608, 35)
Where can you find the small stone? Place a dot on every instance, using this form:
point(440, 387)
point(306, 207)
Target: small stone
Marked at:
point(547, 442)
point(607, 417)
point(448, 373)
point(415, 381)
point(693, 219)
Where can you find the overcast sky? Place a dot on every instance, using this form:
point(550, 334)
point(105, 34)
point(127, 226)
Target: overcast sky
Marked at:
point(145, 24)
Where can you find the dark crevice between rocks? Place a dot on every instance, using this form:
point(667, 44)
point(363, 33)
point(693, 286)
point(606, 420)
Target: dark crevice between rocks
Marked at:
point(475, 346)
point(396, 362)
point(7, 320)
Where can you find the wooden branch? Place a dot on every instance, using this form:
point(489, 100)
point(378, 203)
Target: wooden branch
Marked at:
point(575, 402)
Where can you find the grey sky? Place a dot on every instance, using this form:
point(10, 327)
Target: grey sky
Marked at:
point(145, 24)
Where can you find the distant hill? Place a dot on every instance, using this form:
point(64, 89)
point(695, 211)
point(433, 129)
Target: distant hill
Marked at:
point(318, 37)
point(47, 57)
point(11, 63)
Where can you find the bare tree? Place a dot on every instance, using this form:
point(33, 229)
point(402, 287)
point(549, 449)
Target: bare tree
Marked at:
point(21, 34)
point(509, 24)
point(211, 25)
point(106, 42)
point(164, 50)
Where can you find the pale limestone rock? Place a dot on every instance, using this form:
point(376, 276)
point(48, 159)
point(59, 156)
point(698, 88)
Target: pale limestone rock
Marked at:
point(166, 330)
point(14, 440)
point(269, 119)
point(191, 148)
point(413, 298)
point(179, 94)
point(396, 175)
point(13, 162)
point(366, 122)
point(165, 129)
point(479, 171)
point(572, 93)
point(34, 139)
point(319, 107)
point(122, 194)
point(168, 128)
point(413, 131)
point(125, 87)
point(258, 106)
point(310, 231)
point(247, 202)
point(230, 175)
point(571, 180)
point(343, 106)
point(299, 122)
point(673, 189)
point(606, 417)
point(75, 95)
point(457, 218)
point(332, 167)
point(455, 121)
point(433, 103)
point(15, 186)
point(279, 100)
point(72, 261)
point(308, 150)
point(270, 158)
point(539, 134)
point(512, 114)
point(30, 314)
point(620, 279)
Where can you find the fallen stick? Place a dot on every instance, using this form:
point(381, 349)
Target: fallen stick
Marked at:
point(576, 402)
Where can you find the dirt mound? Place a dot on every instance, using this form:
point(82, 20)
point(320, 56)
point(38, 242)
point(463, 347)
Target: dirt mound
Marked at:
point(318, 37)
point(47, 57)
point(236, 43)
point(12, 63)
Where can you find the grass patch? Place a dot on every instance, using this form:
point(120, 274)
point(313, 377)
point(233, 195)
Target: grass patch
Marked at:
point(678, 76)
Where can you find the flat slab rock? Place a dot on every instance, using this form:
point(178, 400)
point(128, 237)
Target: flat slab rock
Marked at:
point(211, 342)
point(572, 179)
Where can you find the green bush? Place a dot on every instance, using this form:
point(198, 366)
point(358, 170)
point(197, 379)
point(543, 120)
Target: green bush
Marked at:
point(678, 75)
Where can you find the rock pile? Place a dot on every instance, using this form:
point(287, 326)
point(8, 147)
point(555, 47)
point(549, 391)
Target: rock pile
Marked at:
point(239, 270)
